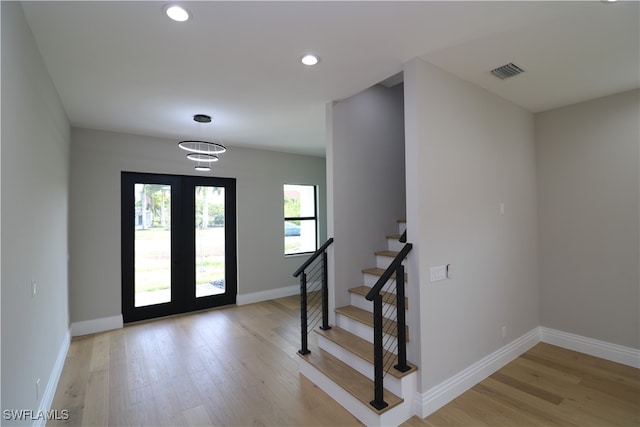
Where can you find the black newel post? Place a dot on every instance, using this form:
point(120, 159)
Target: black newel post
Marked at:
point(378, 400)
point(303, 314)
point(402, 322)
point(325, 293)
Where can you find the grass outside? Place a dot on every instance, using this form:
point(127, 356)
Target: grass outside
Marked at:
point(153, 258)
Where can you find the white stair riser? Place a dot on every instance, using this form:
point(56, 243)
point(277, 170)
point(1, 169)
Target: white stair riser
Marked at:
point(405, 410)
point(363, 331)
point(394, 245)
point(391, 383)
point(371, 279)
point(390, 311)
point(384, 262)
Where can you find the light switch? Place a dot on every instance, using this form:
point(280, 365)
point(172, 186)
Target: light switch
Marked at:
point(438, 273)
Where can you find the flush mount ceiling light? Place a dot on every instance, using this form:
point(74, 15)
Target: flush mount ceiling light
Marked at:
point(310, 60)
point(177, 13)
point(202, 151)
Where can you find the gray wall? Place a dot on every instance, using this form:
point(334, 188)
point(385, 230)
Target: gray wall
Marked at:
point(97, 158)
point(365, 171)
point(34, 176)
point(588, 195)
point(467, 152)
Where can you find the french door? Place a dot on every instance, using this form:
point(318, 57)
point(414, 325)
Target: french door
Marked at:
point(178, 244)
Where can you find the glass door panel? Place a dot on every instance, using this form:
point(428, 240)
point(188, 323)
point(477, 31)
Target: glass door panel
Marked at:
point(152, 244)
point(210, 241)
point(178, 238)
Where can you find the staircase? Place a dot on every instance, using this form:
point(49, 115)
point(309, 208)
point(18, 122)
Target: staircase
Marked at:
point(341, 359)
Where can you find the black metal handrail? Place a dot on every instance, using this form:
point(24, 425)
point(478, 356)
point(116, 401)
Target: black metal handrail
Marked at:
point(317, 269)
point(375, 295)
point(313, 257)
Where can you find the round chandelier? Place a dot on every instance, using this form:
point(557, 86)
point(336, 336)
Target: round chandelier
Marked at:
point(202, 151)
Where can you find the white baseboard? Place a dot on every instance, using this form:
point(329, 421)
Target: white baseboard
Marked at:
point(244, 299)
point(54, 378)
point(93, 326)
point(433, 399)
point(602, 349)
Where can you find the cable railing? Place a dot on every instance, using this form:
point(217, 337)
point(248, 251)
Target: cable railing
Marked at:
point(314, 294)
point(388, 288)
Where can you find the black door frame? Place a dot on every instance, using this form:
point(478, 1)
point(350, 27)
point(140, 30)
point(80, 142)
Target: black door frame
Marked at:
point(182, 245)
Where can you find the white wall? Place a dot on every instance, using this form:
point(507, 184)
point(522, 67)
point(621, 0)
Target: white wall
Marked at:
point(588, 195)
point(34, 181)
point(365, 167)
point(468, 151)
point(97, 159)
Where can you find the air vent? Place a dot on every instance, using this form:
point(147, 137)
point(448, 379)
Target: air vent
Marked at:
point(507, 71)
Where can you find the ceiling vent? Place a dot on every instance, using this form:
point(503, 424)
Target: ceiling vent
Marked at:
point(506, 71)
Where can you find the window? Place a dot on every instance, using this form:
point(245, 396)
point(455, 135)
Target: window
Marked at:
point(300, 219)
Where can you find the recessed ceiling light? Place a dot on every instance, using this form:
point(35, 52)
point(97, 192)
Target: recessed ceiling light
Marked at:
point(177, 13)
point(310, 60)
point(609, 1)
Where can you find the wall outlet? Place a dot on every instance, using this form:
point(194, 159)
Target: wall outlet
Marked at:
point(438, 273)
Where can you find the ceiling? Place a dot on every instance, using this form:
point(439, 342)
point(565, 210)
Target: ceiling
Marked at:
point(125, 67)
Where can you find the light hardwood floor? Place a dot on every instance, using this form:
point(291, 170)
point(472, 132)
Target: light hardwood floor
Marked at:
point(547, 386)
point(237, 366)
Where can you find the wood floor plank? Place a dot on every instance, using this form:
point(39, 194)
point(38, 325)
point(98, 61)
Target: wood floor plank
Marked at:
point(452, 417)
point(578, 396)
point(531, 404)
point(491, 411)
point(571, 360)
point(100, 353)
point(196, 416)
point(119, 393)
point(71, 391)
point(528, 388)
point(96, 402)
point(544, 417)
